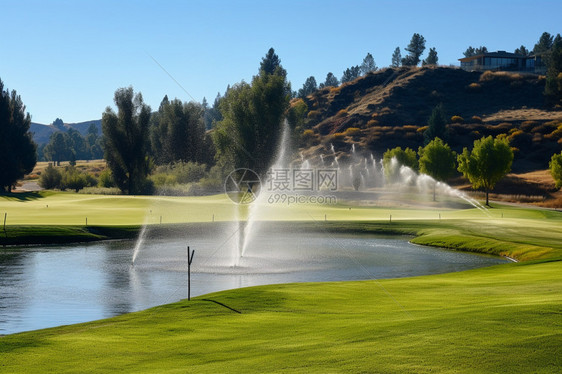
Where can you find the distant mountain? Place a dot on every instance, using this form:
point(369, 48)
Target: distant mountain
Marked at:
point(42, 133)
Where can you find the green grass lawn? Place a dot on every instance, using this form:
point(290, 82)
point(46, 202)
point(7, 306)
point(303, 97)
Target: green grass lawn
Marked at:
point(505, 318)
point(502, 319)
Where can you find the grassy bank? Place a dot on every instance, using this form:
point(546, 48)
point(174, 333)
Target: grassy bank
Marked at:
point(500, 319)
point(48, 218)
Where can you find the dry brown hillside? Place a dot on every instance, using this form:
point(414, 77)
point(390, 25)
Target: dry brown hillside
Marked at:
point(390, 108)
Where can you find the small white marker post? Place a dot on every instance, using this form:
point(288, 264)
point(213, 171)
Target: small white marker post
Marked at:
point(189, 261)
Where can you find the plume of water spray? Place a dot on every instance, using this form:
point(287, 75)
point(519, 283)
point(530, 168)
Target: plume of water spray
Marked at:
point(281, 161)
point(138, 244)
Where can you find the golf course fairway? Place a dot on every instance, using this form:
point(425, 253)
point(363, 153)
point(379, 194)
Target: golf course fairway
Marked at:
point(506, 318)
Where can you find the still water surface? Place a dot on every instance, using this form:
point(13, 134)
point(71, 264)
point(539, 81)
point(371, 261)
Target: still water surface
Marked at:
point(59, 285)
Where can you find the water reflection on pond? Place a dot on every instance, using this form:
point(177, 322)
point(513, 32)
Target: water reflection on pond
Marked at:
point(45, 287)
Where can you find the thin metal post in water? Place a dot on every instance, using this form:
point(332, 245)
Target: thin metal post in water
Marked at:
point(189, 261)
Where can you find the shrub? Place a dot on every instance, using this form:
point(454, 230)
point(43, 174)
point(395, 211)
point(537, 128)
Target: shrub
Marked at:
point(457, 119)
point(474, 87)
point(106, 179)
point(100, 191)
point(76, 180)
point(555, 166)
point(352, 131)
point(476, 119)
point(50, 178)
point(342, 113)
point(313, 115)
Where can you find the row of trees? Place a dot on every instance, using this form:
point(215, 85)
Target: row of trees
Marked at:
point(543, 45)
point(415, 49)
point(489, 161)
point(71, 145)
point(251, 115)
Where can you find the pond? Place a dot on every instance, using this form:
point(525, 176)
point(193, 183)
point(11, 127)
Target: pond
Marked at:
point(59, 285)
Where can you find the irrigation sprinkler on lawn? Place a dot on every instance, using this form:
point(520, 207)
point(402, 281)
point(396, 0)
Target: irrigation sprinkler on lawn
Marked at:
point(189, 261)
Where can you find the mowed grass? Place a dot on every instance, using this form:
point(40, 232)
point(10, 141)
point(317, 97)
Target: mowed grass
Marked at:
point(502, 319)
point(505, 318)
point(521, 233)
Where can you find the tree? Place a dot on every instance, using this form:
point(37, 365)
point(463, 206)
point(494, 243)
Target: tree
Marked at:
point(58, 149)
point(544, 43)
point(470, 51)
point(126, 140)
point(308, 87)
point(18, 153)
point(438, 161)
point(431, 58)
point(553, 86)
point(252, 120)
point(271, 64)
point(480, 50)
point(488, 162)
point(405, 157)
point(331, 81)
point(415, 48)
point(396, 58)
point(178, 132)
point(555, 166)
point(436, 125)
point(350, 74)
point(368, 64)
point(522, 51)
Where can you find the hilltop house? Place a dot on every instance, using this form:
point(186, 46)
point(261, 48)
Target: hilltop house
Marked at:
point(505, 61)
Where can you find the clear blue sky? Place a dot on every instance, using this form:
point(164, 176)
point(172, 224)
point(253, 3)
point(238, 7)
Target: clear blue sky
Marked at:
point(67, 58)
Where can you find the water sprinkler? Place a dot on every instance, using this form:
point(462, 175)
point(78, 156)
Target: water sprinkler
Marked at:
point(189, 261)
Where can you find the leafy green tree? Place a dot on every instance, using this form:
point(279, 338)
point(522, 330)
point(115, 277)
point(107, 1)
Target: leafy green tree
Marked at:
point(308, 87)
point(544, 43)
point(415, 48)
point(436, 125)
point(404, 157)
point(126, 141)
point(18, 152)
point(555, 166)
point(178, 132)
point(522, 51)
point(252, 121)
point(396, 58)
point(59, 148)
point(553, 86)
point(331, 81)
point(488, 162)
point(368, 64)
point(350, 74)
point(438, 161)
point(94, 141)
point(213, 115)
point(431, 58)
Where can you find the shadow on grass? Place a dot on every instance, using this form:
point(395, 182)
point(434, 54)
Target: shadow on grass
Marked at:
point(21, 196)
